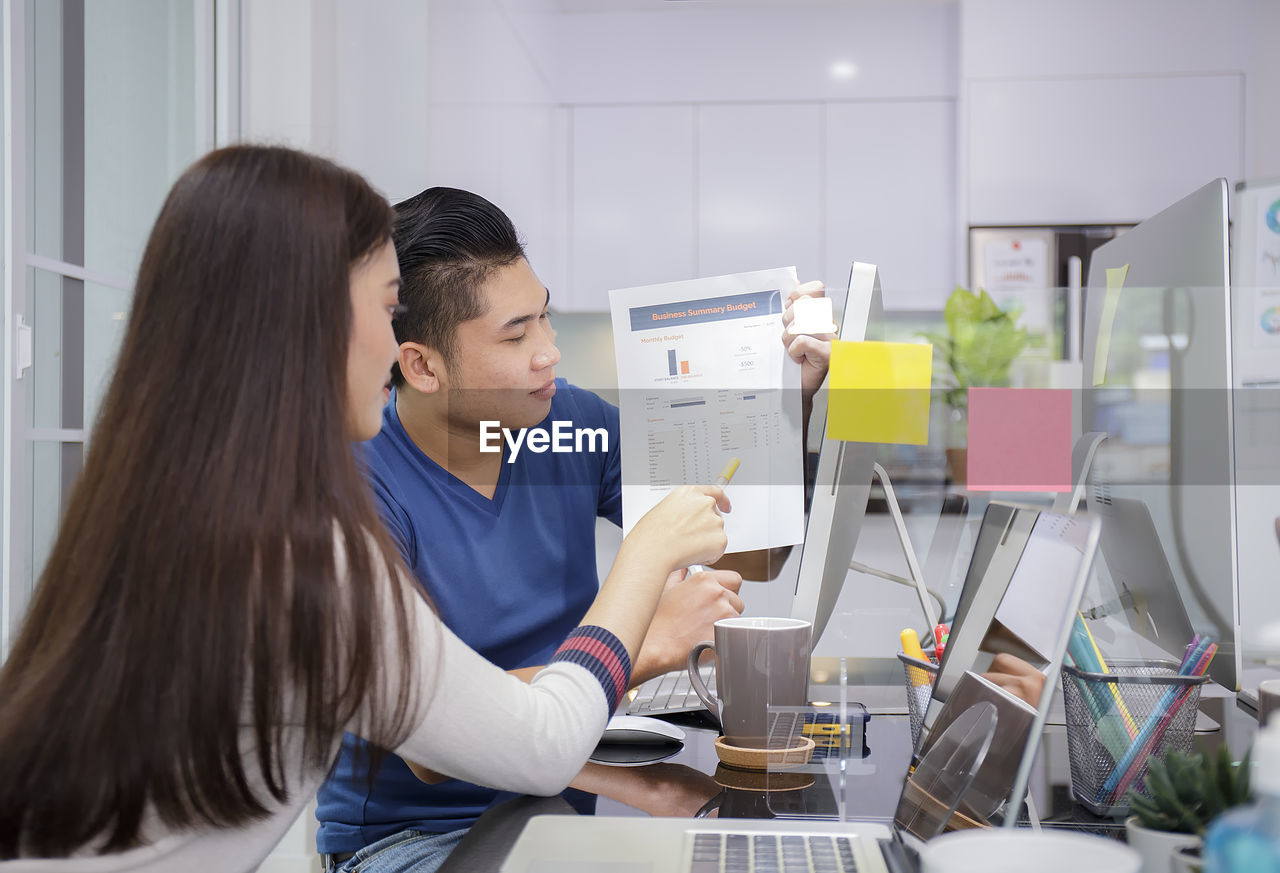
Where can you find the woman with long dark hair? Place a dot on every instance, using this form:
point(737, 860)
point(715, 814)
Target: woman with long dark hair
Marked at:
point(222, 603)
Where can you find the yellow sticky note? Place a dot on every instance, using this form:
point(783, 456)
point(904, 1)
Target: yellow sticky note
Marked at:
point(880, 392)
point(1110, 303)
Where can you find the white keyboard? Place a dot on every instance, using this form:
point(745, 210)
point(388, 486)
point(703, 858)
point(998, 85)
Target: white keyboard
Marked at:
point(670, 692)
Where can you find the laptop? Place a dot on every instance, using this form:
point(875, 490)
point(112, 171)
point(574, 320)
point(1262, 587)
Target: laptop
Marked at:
point(599, 844)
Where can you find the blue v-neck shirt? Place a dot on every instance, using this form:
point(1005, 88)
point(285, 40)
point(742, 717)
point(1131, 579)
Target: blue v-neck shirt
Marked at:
point(510, 575)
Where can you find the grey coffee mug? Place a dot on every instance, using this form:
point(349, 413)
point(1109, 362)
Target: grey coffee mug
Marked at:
point(760, 662)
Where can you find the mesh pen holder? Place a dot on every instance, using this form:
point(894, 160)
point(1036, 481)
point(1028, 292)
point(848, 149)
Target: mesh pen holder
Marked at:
point(1118, 721)
point(918, 676)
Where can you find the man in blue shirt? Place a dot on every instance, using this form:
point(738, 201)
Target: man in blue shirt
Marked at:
point(499, 531)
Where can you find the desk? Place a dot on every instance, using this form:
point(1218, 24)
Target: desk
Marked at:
point(688, 778)
point(873, 782)
point(686, 782)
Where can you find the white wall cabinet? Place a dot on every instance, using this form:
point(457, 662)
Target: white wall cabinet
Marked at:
point(632, 201)
point(511, 155)
point(890, 197)
point(662, 193)
point(760, 188)
point(610, 129)
point(1098, 150)
point(693, 142)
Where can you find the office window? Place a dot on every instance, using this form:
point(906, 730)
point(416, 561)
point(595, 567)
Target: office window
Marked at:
point(110, 101)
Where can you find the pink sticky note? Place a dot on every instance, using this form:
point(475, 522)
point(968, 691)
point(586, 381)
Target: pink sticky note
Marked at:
point(1019, 439)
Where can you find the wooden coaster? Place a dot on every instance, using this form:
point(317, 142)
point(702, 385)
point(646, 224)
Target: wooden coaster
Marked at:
point(760, 780)
point(764, 759)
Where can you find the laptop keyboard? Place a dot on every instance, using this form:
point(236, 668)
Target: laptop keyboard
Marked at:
point(670, 692)
point(786, 730)
point(830, 738)
point(771, 853)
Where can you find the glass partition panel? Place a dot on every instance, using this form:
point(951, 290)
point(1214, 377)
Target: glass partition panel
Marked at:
point(51, 467)
point(111, 122)
point(140, 124)
point(113, 114)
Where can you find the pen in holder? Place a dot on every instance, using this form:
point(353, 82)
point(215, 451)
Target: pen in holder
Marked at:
point(1118, 721)
point(918, 676)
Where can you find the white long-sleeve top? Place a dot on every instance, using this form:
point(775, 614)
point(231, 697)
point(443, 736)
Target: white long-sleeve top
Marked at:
point(473, 722)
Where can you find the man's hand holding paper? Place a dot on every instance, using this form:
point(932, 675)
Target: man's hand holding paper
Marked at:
point(809, 345)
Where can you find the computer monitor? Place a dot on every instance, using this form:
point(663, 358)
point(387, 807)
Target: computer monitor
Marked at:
point(1025, 581)
point(991, 535)
point(843, 481)
point(1157, 380)
point(1255, 306)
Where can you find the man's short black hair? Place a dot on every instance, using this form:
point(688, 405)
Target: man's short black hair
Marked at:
point(449, 242)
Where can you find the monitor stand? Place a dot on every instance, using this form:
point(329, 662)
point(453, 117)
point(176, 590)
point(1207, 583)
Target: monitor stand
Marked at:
point(1082, 454)
point(1081, 460)
point(904, 540)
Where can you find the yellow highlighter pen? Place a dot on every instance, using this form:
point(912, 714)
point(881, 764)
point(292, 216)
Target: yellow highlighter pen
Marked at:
point(921, 684)
point(722, 480)
point(726, 475)
point(911, 645)
point(1130, 724)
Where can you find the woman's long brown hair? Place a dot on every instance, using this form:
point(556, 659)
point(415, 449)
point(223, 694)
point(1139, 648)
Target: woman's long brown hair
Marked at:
point(194, 585)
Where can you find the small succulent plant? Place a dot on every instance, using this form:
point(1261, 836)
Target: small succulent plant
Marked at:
point(1188, 791)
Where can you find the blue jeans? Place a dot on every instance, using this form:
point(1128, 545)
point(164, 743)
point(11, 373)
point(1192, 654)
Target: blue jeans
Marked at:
point(404, 852)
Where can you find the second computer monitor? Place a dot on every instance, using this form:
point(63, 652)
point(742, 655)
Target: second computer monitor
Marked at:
point(1157, 380)
point(843, 481)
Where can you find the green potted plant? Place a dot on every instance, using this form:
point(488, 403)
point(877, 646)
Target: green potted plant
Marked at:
point(1187, 792)
point(979, 344)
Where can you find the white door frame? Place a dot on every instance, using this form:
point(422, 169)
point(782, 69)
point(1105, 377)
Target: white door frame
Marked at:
point(17, 334)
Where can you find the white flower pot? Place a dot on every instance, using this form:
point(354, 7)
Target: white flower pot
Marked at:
point(1188, 860)
point(1157, 848)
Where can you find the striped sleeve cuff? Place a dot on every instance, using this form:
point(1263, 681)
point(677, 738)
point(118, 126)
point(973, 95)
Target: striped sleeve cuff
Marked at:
point(603, 655)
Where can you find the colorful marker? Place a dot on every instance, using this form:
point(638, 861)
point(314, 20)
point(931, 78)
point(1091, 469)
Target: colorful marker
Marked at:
point(911, 648)
point(921, 682)
point(940, 635)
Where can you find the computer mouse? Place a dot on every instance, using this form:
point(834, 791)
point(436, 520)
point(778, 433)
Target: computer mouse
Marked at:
point(640, 730)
